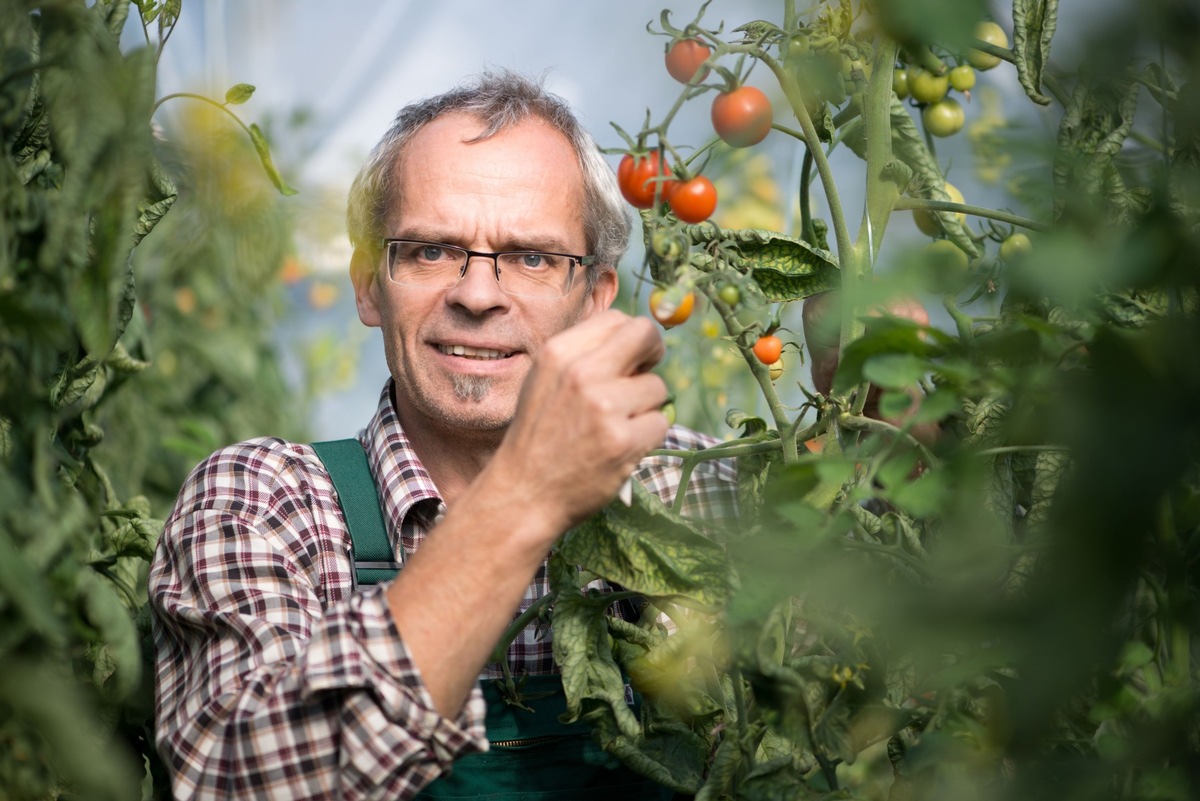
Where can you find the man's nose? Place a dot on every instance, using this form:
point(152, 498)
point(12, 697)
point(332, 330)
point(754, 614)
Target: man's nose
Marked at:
point(479, 288)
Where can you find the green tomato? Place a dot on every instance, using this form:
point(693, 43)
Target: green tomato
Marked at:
point(962, 78)
point(900, 83)
point(1015, 247)
point(668, 409)
point(993, 34)
point(944, 118)
point(926, 87)
point(945, 266)
point(667, 245)
point(730, 294)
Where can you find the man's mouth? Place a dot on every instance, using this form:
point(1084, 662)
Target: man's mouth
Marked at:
point(473, 353)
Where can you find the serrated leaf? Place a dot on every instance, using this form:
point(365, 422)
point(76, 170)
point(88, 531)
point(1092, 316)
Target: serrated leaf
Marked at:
point(264, 155)
point(1034, 22)
point(238, 93)
point(647, 548)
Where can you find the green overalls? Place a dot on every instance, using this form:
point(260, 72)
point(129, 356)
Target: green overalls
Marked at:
point(532, 756)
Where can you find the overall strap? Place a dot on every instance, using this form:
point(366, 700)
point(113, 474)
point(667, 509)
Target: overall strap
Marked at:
point(346, 462)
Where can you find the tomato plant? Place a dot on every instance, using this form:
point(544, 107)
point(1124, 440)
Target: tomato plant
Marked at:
point(694, 200)
point(944, 118)
point(742, 117)
point(641, 177)
point(940, 581)
point(685, 58)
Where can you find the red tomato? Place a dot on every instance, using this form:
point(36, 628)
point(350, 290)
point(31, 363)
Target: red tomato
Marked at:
point(742, 117)
point(685, 57)
point(636, 174)
point(768, 348)
point(693, 201)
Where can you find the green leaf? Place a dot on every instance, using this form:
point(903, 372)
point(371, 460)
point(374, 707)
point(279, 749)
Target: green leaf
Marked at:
point(264, 155)
point(1034, 22)
point(895, 370)
point(649, 549)
point(103, 609)
point(1096, 121)
point(238, 93)
point(886, 336)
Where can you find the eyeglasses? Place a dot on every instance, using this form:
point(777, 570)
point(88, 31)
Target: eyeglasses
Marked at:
point(525, 273)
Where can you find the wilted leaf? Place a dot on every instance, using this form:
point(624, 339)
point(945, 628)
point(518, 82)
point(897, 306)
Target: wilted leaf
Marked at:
point(1034, 22)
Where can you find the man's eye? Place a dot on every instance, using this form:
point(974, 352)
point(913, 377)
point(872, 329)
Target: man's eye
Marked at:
point(534, 260)
point(431, 253)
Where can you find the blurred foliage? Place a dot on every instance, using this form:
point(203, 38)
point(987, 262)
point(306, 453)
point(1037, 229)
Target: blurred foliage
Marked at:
point(989, 589)
point(115, 370)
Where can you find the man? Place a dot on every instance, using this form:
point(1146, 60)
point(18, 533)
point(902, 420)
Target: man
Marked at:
point(486, 229)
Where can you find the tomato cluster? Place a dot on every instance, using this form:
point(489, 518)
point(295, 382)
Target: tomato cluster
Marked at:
point(942, 115)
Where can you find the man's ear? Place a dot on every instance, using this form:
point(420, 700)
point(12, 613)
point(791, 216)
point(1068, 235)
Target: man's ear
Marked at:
point(364, 274)
point(604, 291)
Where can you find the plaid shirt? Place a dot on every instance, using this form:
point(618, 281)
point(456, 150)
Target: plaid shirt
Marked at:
point(274, 679)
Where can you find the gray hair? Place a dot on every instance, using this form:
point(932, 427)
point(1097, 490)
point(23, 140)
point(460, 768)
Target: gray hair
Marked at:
point(501, 100)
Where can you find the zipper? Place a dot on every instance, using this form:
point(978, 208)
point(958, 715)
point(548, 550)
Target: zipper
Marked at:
point(525, 741)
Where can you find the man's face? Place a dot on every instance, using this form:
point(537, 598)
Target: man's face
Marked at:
point(521, 189)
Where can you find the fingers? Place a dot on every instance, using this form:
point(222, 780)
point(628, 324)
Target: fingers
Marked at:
point(612, 343)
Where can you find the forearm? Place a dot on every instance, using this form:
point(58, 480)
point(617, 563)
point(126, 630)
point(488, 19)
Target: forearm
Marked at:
point(461, 590)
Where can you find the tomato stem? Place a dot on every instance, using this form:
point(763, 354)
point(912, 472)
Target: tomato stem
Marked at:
point(905, 202)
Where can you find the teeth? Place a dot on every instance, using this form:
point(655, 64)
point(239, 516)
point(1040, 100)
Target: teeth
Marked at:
point(473, 353)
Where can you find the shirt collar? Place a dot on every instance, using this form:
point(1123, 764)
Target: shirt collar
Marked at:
point(403, 481)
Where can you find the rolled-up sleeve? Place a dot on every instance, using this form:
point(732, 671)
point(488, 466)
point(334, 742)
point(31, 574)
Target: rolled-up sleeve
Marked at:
point(268, 687)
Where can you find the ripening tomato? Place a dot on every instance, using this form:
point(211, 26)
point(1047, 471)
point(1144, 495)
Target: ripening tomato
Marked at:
point(944, 118)
point(693, 201)
point(993, 34)
point(685, 58)
point(925, 87)
point(768, 348)
point(670, 316)
point(742, 117)
point(775, 370)
point(636, 176)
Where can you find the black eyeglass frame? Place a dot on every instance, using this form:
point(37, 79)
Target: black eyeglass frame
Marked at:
point(576, 261)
